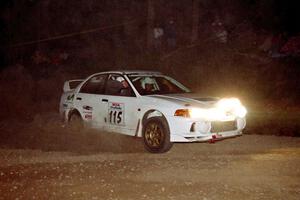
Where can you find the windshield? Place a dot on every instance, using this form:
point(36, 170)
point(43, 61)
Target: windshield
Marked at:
point(156, 84)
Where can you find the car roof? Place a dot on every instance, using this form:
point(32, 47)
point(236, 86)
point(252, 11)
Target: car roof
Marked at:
point(132, 72)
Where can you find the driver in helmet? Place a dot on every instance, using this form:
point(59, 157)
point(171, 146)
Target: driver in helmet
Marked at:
point(125, 90)
point(122, 81)
point(148, 85)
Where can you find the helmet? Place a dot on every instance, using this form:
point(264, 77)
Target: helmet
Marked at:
point(120, 79)
point(150, 81)
point(145, 81)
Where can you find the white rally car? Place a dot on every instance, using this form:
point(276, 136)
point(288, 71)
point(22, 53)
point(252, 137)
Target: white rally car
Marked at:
point(150, 105)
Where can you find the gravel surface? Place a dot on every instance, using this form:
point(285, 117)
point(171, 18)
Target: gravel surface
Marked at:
point(246, 167)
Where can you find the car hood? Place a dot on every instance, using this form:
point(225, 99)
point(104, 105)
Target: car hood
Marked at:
point(188, 99)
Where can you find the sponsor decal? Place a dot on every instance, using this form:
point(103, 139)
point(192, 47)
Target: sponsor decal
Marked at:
point(116, 113)
point(87, 108)
point(117, 106)
point(70, 97)
point(88, 116)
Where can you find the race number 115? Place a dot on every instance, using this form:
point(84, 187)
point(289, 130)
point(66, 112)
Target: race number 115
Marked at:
point(115, 116)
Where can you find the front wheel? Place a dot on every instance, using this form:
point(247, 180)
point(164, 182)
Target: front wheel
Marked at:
point(156, 135)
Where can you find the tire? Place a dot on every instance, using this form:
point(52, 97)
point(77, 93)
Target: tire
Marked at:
point(75, 121)
point(156, 135)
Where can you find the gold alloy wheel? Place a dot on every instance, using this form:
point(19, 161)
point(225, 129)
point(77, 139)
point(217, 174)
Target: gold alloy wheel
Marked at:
point(154, 135)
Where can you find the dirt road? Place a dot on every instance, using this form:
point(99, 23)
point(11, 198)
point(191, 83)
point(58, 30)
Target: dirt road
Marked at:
point(247, 167)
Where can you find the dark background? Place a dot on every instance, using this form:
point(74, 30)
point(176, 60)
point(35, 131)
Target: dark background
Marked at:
point(44, 43)
point(26, 22)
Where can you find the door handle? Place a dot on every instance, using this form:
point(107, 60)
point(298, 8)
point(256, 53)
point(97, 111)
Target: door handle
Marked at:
point(78, 98)
point(104, 100)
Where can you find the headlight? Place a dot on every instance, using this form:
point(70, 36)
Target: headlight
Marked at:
point(241, 111)
point(229, 103)
point(199, 113)
point(207, 114)
point(224, 109)
point(232, 105)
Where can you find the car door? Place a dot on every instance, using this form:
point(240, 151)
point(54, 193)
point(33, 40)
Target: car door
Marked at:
point(121, 105)
point(89, 103)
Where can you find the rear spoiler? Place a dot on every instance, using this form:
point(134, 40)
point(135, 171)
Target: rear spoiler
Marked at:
point(71, 84)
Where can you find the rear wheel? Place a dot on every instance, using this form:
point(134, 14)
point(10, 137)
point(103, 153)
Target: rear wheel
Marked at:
point(156, 135)
point(75, 121)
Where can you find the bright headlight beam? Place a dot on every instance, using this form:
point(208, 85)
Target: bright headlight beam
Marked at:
point(207, 114)
point(228, 103)
point(197, 112)
point(241, 111)
point(232, 105)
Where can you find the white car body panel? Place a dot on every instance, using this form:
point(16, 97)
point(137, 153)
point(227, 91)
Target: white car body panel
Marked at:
point(124, 114)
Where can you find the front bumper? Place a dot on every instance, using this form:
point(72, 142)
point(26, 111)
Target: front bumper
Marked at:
point(187, 130)
point(204, 138)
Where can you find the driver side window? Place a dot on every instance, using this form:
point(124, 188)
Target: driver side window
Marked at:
point(94, 85)
point(117, 85)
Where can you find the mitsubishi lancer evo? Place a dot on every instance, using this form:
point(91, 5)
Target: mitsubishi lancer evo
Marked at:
point(150, 105)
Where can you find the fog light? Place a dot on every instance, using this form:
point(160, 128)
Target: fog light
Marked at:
point(202, 127)
point(192, 129)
